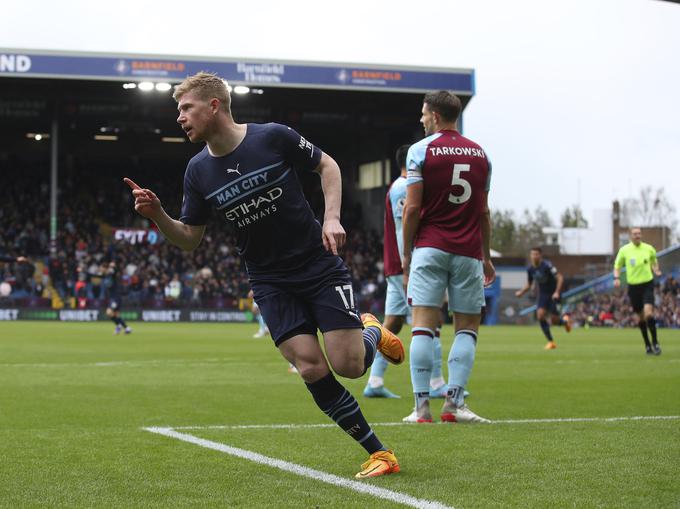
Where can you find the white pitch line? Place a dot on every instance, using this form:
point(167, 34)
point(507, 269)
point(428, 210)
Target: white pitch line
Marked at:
point(400, 423)
point(217, 362)
point(303, 471)
point(591, 419)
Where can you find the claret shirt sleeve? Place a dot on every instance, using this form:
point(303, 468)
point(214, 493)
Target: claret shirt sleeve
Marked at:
point(296, 149)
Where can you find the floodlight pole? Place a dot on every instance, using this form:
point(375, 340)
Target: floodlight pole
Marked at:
point(54, 170)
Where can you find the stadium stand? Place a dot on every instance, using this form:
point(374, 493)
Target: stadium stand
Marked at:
point(146, 275)
point(614, 310)
point(93, 203)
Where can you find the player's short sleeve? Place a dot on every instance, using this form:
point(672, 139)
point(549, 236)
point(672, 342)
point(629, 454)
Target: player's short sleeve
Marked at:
point(297, 151)
point(652, 255)
point(415, 159)
point(195, 209)
point(530, 275)
point(551, 268)
point(620, 259)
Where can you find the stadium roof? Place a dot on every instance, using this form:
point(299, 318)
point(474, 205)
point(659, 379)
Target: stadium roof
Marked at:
point(270, 73)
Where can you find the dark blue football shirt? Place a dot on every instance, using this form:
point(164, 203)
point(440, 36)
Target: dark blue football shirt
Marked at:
point(256, 189)
point(544, 275)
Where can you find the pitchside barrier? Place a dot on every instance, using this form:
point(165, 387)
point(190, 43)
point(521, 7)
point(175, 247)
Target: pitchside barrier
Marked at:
point(11, 310)
point(144, 315)
point(669, 264)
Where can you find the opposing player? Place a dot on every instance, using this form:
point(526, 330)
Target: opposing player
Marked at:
point(396, 306)
point(247, 172)
point(113, 309)
point(549, 281)
point(446, 218)
point(639, 259)
point(113, 312)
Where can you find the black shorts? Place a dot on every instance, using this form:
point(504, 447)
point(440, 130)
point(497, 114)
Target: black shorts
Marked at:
point(640, 295)
point(546, 302)
point(318, 296)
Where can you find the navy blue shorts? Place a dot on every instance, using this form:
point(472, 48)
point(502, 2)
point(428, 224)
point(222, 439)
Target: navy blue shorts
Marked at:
point(546, 302)
point(317, 296)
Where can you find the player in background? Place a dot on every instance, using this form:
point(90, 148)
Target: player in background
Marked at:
point(247, 172)
point(396, 306)
point(639, 259)
point(549, 281)
point(113, 312)
point(113, 309)
point(447, 230)
point(262, 330)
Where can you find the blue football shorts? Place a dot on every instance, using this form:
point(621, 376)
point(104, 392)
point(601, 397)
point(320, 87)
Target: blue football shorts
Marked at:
point(546, 302)
point(434, 271)
point(395, 300)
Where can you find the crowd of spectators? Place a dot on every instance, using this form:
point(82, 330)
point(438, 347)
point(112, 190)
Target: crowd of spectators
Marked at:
point(614, 309)
point(89, 267)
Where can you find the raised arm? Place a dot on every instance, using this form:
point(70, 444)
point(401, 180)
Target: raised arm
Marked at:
point(185, 236)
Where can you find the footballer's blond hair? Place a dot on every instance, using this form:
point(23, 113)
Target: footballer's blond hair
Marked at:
point(206, 86)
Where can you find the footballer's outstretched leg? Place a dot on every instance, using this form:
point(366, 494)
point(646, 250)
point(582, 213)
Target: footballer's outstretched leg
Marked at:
point(332, 398)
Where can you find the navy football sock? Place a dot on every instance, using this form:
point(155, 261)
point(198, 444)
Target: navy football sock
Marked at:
point(651, 325)
point(545, 327)
point(371, 339)
point(340, 405)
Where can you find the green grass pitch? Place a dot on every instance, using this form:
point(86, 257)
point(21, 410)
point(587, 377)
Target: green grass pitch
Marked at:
point(74, 399)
